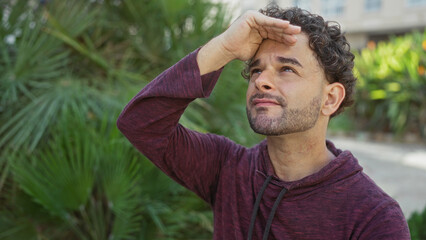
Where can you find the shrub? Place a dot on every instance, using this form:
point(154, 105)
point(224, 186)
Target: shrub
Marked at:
point(417, 225)
point(391, 91)
point(66, 61)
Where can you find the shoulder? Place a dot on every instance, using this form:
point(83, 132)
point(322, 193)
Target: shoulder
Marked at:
point(382, 217)
point(385, 221)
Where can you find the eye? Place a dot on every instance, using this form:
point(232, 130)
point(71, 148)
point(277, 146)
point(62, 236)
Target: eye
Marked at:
point(287, 69)
point(255, 71)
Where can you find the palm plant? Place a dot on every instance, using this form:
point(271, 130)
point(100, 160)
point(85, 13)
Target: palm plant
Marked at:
point(60, 45)
point(65, 170)
point(90, 183)
point(86, 178)
point(36, 80)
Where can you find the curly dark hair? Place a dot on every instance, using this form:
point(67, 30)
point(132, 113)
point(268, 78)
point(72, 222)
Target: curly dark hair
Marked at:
point(328, 43)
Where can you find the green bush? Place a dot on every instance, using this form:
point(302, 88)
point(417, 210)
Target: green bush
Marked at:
point(88, 182)
point(391, 91)
point(417, 225)
point(67, 68)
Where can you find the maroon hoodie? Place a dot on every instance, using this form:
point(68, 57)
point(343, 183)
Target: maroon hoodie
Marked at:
point(248, 200)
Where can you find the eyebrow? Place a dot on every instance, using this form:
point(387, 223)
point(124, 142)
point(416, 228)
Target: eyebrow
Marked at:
point(292, 61)
point(289, 60)
point(254, 63)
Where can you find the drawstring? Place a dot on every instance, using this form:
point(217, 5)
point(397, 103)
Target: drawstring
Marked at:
point(256, 209)
point(256, 206)
point(272, 214)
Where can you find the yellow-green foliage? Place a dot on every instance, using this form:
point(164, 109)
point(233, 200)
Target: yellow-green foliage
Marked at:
point(391, 90)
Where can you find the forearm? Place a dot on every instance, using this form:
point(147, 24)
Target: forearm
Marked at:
point(213, 56)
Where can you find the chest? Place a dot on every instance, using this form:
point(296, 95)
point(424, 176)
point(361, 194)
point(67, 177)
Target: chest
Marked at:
point(312, 215)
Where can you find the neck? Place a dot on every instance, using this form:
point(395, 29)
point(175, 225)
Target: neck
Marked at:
point(295, 156)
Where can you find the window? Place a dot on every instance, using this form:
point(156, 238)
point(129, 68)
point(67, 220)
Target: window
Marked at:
point(416, 2)
point(333, 7)
point(303, 4)
point(372, 5)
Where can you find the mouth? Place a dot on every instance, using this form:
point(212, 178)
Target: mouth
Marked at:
point(264, 102)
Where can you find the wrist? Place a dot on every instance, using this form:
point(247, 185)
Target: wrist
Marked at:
point(213, 56)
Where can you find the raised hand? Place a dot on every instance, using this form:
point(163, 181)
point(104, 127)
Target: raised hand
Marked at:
point(244, 36)
point(242, 39)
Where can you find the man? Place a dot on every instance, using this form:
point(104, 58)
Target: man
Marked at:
point(293, 185)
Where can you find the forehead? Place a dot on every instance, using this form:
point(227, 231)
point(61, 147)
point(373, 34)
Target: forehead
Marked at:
point(270, 49)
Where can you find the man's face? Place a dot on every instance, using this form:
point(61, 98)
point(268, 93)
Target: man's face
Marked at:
point(285, 91)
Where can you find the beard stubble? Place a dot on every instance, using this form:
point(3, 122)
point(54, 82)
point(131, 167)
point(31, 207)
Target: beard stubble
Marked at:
point(290, 121)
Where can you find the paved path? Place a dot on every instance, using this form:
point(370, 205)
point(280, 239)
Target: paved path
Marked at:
point(399, 169)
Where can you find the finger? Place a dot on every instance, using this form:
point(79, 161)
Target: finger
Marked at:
point(261, 20)
point(291, 30)
point(277, 35)
point(278, 30)
point(270, 23)
point(287, 39)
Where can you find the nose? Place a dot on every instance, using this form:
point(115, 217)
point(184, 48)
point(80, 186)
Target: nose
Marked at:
point(264, 82)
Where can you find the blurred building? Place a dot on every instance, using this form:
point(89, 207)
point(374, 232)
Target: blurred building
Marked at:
point(362, 20)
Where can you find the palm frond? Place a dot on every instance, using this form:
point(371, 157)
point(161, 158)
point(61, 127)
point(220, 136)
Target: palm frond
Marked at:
point(60, 177)
point(30, 123)
point(34, 57)
point(12, 227)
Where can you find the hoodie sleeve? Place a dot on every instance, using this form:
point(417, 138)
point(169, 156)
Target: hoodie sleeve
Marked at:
point(150, 122)
point(388, 223)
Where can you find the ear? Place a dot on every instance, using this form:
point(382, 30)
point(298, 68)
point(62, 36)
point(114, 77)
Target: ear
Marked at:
point(334, 95)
